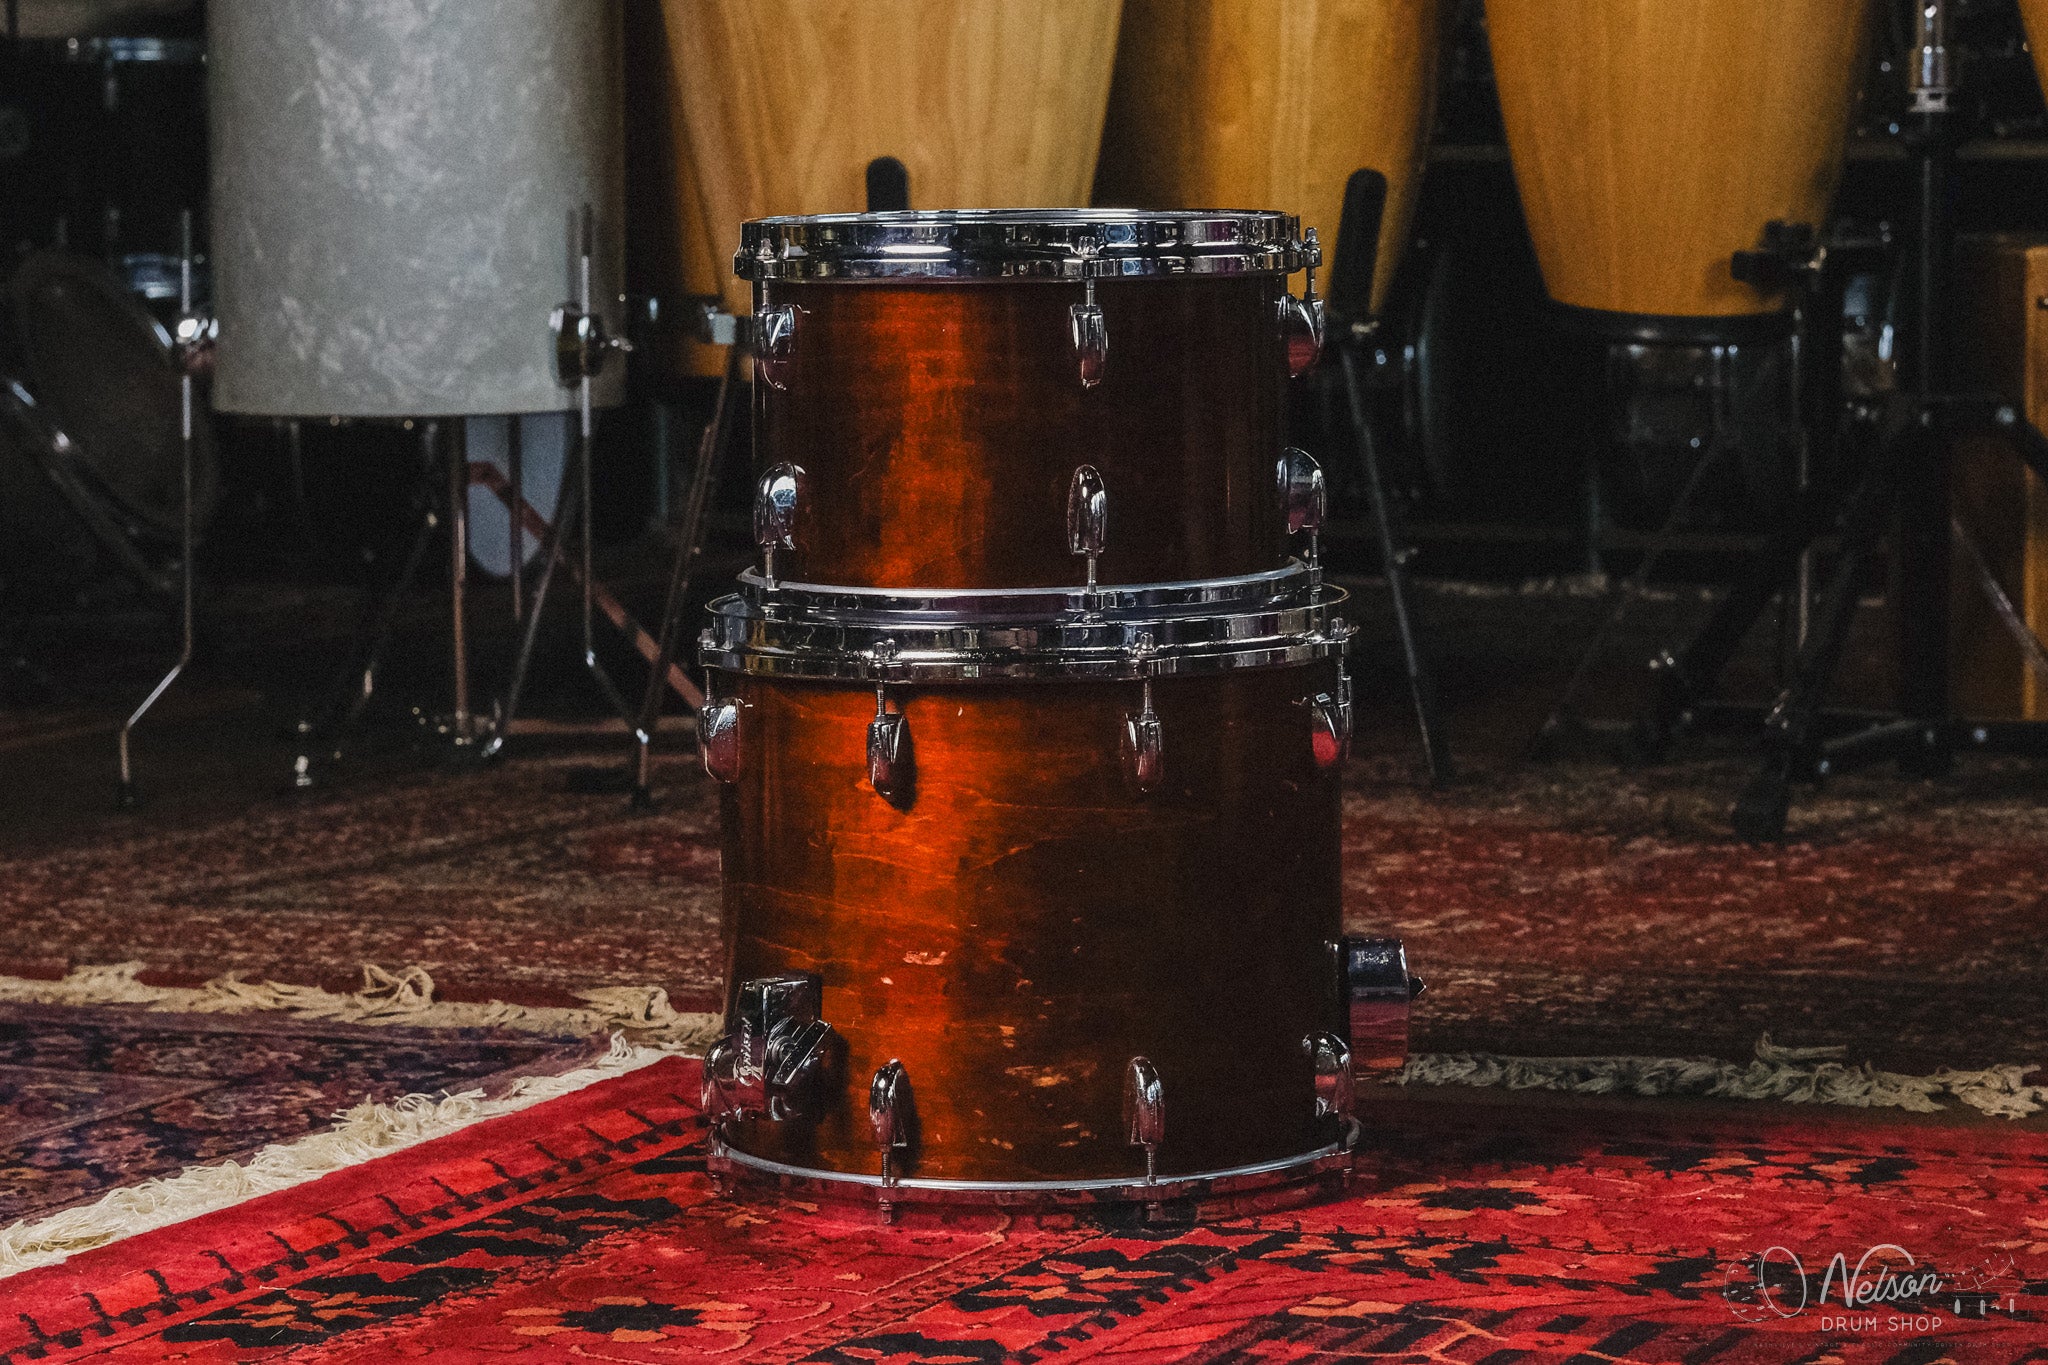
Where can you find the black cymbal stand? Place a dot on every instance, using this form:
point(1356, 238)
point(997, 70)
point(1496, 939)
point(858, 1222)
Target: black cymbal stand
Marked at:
point(1353, 325)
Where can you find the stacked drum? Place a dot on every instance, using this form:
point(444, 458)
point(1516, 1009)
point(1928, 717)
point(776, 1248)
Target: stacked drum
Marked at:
point(1030, 723)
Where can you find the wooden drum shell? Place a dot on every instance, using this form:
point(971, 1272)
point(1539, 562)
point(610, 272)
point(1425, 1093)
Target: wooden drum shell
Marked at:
point(1259, 105)
point(939, 425)
point(1027, 923)
point(987, 103)
point(1652, 140)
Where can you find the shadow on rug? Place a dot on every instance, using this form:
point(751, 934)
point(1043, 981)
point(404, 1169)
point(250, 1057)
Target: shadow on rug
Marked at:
point(586, 1228)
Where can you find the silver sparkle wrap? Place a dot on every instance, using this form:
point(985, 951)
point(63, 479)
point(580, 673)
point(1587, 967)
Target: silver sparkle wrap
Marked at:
point(396, 185)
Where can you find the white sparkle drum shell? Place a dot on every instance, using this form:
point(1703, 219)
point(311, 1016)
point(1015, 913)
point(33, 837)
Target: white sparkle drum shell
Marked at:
point(396, 185)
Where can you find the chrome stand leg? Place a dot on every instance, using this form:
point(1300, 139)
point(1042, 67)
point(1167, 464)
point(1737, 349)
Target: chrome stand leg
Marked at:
point(460, 723)
point(1436, 754)
point(128, 797)
point(703, 483)
point(515, 508)
point(550, 555)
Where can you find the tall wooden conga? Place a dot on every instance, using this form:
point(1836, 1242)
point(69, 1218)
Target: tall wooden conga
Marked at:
point(1653, 139)
point(987, 103)
point(1252, 102)
point(1030, 727)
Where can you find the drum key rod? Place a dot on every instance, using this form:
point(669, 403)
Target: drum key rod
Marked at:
point(190, 350)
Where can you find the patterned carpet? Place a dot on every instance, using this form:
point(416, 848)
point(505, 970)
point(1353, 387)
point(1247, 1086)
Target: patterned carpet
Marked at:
point(1553, 910)
point(92, 1099)
point(1480, 1232)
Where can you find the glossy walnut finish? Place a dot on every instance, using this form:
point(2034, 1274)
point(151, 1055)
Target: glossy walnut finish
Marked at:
point(1256, 104)
point(939, 425)
point(1025, 923)
point(987, 103)
point(1653, 139)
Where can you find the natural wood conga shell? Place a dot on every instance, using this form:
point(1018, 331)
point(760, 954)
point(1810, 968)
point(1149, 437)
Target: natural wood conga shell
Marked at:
point(987, 103)
point(1259, 105)
point(2034, 16)
point(668, 253)
point(1653, 139)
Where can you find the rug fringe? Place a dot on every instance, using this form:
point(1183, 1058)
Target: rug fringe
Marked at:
point(1789, 1075)
point(387, 997)
point(360, 1134)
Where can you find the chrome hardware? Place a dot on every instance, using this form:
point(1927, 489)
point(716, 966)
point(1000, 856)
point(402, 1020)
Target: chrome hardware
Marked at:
point(582, 346)
point(1301, 320)
point(1144, 739)
point(1930, 77)
point(890, 1117)
point(1145, 1112)
point(774, 340)
point(888, 733)
point(1336, 1085)
point(775, 502)
point(193, 337)
point(1306, 498)
point(718, 739)
point(778, 1059)
point(1091, 335)
point(804, 632)
point(1329, 732)
point(1048, 244)
point(1088, 516)
point(1373, 990)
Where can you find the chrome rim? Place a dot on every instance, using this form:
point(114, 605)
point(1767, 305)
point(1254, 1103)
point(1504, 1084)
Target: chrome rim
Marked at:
point(748, 636)
point(1120, 1189)
point(1277, 587)
point(1057, 244)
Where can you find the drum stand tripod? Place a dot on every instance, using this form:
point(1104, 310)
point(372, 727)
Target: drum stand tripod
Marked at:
point(1354, 326)
point(582, 350)
point(191, 351)
point(1906, 477)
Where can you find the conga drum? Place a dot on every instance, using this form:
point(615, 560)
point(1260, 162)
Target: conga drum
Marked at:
point(1030, 728)
point(986, 103)
point(1651, 141)
point(1254, 102)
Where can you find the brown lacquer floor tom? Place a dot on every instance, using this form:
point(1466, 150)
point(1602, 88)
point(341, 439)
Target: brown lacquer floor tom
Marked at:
point(1035, 897)
point(933, 387)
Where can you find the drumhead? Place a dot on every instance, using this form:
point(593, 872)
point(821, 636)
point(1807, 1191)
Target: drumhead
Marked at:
point(1060, 244)
point(101, 366)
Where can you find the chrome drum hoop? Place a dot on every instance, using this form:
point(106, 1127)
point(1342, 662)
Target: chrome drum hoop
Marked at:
point(744, 637)
point(1291, 586)
point(1331, 1161)
point(1022, 244)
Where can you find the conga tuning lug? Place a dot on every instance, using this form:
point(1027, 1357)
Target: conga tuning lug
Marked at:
point(779, 1060)
point(1145, 1112)
point(718, 739)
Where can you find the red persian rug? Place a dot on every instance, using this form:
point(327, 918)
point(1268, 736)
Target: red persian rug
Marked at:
point(1479, 1230)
